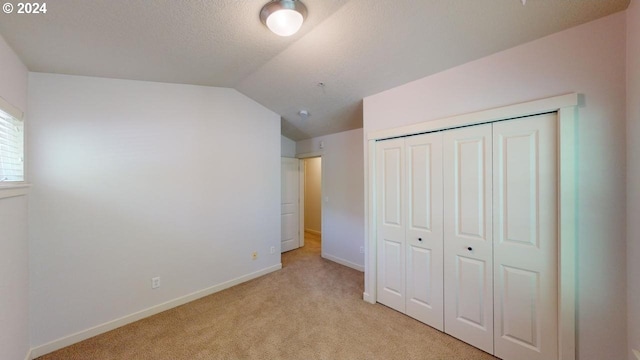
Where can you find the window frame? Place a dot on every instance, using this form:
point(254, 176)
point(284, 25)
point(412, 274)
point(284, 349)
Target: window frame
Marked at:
point(15, 188)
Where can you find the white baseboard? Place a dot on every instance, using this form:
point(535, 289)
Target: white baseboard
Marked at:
point(315, 232)
point(368, 298)
point(343, 262)
point(28, 357)
point(114, 324)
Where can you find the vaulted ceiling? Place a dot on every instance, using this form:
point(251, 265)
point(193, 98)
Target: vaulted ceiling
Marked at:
point(345, 51)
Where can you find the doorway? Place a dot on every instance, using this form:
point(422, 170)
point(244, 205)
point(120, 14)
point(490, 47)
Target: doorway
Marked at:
point(311, 196)
point(565, 108)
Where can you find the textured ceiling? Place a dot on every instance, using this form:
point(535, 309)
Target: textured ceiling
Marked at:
point(355, 47)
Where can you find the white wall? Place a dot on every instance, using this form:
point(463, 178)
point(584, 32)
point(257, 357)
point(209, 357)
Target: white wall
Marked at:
point(588, 59)
point(343, 186)
point(287, 146)
point(14, 255)
point(312, 194)
point(633, 175)
point(133, 180)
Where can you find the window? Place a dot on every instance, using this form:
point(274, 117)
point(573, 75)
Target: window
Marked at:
point(11, 149)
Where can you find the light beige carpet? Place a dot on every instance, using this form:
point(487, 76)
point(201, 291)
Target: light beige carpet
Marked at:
point(311, 309)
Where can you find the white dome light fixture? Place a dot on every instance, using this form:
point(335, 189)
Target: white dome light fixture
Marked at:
point(304, 114)
point(283, 17)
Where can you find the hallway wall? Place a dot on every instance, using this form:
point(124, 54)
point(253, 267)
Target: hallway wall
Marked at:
point(312, 195)
point(342, 195)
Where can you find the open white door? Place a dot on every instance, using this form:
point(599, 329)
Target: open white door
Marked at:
point(290, 207)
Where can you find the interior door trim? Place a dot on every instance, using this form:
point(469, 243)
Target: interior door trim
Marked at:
point(301, 158)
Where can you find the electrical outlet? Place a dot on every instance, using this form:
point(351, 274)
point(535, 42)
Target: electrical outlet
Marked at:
point(361, 249)
point(155, 282)
point(273, 249)
point(254, 255)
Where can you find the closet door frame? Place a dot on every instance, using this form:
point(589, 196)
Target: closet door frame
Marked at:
point(566, 108)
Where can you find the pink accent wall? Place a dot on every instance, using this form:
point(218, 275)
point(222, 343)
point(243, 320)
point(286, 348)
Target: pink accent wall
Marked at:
point(588, 59)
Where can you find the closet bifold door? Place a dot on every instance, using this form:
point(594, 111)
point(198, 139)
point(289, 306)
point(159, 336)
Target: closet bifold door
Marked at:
point(525, 238)
point(468, 243)
point(424, 248)
point(390, 214)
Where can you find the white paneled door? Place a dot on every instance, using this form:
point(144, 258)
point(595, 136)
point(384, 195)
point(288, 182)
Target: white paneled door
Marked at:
point(409, 178)
point(525, 238)
point(424, 268)
point(468, 242)
point(467, 233)
point(289, 192)
point(391, 223)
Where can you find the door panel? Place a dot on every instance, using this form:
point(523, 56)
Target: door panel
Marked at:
point(393, 267)
point(419, 279)
point(424, 229)
point(469, 215)
point(392, 186)
point(391, 226)
point(289, 192)
point(471, 286)
point(519, 306)
point(468, 259)
point(525, 238)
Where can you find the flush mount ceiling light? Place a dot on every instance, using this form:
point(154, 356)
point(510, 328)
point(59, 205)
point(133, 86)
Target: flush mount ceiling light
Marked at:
point(304, 114)
point(283, 17)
